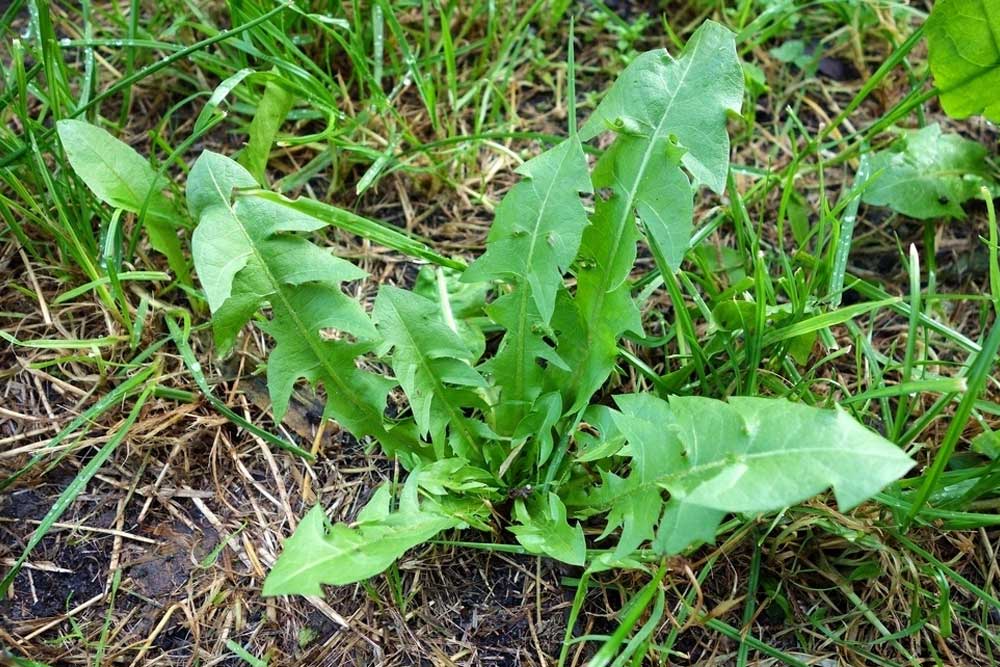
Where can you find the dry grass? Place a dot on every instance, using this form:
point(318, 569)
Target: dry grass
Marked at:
point(160, 560)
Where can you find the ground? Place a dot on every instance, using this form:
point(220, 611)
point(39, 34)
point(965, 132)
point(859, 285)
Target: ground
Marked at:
point(161, 557)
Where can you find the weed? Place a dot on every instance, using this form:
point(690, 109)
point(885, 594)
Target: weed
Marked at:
point(636, 366)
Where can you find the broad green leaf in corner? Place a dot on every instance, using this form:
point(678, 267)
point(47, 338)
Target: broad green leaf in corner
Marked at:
point(963, 39)
point(763, 454)
point(927, 174)
point(120, 177)
point(543, 529)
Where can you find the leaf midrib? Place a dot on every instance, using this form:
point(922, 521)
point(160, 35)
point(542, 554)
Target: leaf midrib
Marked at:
point(541, 212)
point(718, 464)
point(311, 341)
point(360, 547)
point(521, 349)
point(439, 388)
point(598, 304)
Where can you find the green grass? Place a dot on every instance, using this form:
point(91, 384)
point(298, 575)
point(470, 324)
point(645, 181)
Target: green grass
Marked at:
point(440, 101)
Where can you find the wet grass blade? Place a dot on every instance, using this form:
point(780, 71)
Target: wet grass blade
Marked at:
point(636, 608)
point(724, 628)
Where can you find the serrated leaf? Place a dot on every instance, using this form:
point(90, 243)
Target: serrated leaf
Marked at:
point(603, 302)
point(120, 177)
point(537, 425)
point(534, 238)
point(515, 368)
point(655, 453)
point(543, 529)
point(608, 439)
point(467, 301)
point(666, 112)
point(964, 55)
point(452, 475)
point(318, 553)
point(247, 257)
point(633, 508)
point(749, 455)
point(689, 97)
point(927, 174)
point(760, 455)
point(685, 525)
point(538, 225)
point(431, 363)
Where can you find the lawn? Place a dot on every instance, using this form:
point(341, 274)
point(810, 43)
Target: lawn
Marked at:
point(499, 333)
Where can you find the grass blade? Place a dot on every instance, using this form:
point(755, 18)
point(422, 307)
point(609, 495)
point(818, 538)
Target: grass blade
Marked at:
point(180, 340)
point(373, 230)
point(74, 489)
point(976, 377)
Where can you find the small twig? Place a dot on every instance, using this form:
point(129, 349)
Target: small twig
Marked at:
point(42, 305)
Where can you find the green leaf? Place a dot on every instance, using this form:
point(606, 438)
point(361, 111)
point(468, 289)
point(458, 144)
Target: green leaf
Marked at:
point(318, 553)
point(514, 368)
point(749, 455)
point(538, 225)
point(452, 475)
point(467, 302)
point(431, 363)
point(927, 174)
point(607, 441)
point(602, 308)
point(376, 231)
point(964, 55)
point(247, 257)
point(760, 455)
point(987, 444)
point(796, 52)
point(543, 529)
point(656, 453)
point(685, 525)
point(689, 97)
point(537, 425)
point(534, 238)
point(270, 114)
point(120, 177)
point(666, 112)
